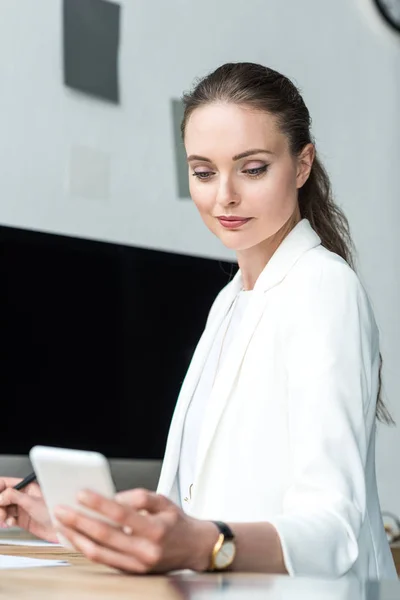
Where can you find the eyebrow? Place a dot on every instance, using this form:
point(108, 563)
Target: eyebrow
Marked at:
point(236, 157)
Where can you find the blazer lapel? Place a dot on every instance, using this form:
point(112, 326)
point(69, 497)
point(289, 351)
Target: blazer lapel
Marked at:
point(301, 239)
point(226, 377)
point(172, 452)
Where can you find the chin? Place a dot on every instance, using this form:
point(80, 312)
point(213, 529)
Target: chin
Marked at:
point(236, 242)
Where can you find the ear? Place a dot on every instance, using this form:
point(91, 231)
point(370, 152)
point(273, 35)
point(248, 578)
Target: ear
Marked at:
point(304, 164)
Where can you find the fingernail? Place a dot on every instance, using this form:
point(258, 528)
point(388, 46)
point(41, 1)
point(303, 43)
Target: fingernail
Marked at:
point(60, 512)
point(10, 521)
point(83, 496)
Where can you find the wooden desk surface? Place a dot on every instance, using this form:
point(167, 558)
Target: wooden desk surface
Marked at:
point(82, 579)
point(87, 581)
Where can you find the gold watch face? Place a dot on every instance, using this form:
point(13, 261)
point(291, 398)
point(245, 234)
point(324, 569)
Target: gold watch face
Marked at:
point(225, 556)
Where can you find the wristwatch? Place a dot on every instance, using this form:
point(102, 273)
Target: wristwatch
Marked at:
point(224, 550)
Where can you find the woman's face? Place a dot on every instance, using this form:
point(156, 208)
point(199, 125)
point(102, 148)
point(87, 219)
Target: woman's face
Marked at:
point(243, 178)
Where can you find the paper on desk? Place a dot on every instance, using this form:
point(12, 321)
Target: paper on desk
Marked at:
point(22, 562)
point(22, 542)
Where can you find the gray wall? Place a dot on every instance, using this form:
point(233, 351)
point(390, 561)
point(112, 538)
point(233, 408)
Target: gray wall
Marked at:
point(346, 61)
point(127, 474)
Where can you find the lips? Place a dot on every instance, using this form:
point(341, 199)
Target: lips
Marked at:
point(233, 222)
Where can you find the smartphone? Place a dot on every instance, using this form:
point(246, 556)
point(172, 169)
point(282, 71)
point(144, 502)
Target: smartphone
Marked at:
point(62, 473)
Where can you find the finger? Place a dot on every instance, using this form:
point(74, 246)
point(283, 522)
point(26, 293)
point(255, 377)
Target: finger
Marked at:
point(104, 555)
point(6, 482)
point(10, 519)
point(108, 535)
point(118, 513)
point(141, 499)
point(14, 503)
point(34, 490)
point(11, 496)
point(10, 512)
point(9, 482)
point(3, 514)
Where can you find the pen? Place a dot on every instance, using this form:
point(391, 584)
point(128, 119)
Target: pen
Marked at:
point(26, 481)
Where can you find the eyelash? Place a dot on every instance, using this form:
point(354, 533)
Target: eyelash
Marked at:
point(252, 173)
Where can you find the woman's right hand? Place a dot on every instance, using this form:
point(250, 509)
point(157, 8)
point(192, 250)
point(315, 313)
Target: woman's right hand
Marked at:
point(25, 509)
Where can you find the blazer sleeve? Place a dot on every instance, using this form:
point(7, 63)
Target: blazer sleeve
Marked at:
point(332, 352)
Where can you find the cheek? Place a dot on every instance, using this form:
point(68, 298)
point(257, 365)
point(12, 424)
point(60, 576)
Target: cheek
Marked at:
point(277, 192)
point(203, 197)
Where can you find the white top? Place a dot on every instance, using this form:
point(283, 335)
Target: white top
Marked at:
point(197, 407)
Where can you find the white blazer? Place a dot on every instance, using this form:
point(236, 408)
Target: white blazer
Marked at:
point(288, 435)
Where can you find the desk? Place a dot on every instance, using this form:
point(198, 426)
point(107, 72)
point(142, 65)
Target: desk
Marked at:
point(86, 581)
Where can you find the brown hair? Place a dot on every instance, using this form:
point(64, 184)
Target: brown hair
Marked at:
point(264, 89)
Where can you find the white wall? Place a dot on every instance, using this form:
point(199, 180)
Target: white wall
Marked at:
point(346, 62)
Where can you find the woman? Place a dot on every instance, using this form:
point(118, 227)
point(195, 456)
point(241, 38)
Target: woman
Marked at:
point(274, 429)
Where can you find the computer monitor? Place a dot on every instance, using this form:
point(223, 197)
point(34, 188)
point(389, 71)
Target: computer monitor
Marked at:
point(96, 338)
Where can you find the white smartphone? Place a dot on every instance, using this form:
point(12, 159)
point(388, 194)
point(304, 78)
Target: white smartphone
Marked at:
point(62, 473)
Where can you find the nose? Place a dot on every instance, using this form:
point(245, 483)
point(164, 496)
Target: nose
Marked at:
point(227, 195)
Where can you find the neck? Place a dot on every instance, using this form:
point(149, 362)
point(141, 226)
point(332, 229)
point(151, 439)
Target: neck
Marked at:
point(253, 261)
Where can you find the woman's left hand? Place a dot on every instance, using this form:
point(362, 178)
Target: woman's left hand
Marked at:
point(151, 534)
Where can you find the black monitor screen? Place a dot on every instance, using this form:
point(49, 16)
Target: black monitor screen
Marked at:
point(95, 341)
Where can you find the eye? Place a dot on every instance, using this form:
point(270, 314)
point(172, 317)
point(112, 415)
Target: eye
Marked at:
point(256, 171)
point(203, 174)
